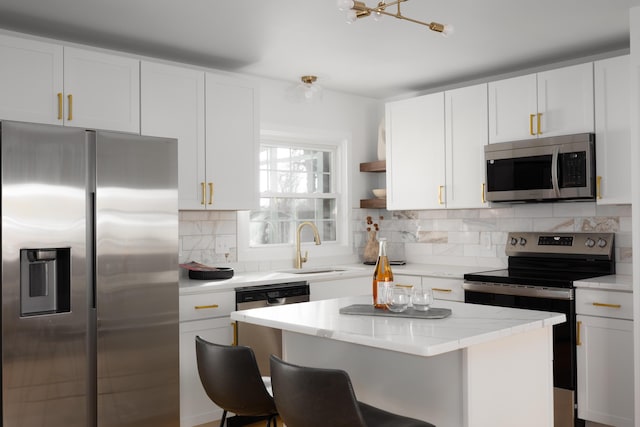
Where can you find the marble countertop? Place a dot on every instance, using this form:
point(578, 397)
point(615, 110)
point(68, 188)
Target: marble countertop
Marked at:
point(254, 278)
point(468, 324)
point(614, 282)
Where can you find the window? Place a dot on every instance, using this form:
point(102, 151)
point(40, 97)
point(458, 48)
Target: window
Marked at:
point(296, 185)
point(303, 177)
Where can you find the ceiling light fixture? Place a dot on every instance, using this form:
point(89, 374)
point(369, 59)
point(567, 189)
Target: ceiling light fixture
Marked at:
point(357, 9)
point(309, 90)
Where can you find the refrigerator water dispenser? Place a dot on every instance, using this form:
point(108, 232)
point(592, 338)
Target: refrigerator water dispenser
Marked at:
point(45, 281)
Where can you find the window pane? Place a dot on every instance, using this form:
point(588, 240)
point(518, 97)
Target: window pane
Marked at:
point(295, 170)
point(299, 184)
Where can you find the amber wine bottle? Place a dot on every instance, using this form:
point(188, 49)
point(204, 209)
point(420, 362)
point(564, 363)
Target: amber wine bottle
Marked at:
point(382, 276)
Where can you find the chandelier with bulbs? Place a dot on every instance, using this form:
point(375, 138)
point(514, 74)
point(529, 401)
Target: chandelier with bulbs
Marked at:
point(358, 9)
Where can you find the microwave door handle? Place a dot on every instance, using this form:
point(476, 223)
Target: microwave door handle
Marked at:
point(554, 171)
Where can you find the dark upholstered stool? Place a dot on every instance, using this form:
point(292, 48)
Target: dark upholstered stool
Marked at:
point(314, 397)
point(230, 376)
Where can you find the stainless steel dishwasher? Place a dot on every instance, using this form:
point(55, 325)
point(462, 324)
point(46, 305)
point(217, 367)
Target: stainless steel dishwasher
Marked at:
point(263, 340)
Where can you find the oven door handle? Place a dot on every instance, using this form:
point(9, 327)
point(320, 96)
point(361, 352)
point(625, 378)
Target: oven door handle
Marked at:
point(554, 171)
point(519, 290)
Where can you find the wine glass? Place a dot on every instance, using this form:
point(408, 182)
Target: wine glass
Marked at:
point(398, 299)
point(422, 298)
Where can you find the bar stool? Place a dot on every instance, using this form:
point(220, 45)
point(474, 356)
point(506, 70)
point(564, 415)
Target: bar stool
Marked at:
point(231, 379)
point(315, 397)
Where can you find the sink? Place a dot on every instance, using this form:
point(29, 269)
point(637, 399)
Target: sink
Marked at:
point(316, 270)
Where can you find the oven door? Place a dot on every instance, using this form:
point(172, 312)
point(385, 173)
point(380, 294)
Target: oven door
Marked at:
point(558, 300)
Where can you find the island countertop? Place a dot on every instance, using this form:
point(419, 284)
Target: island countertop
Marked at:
point(469, 324)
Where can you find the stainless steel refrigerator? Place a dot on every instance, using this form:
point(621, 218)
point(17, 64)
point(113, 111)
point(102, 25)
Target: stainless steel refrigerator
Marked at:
point(89, 278)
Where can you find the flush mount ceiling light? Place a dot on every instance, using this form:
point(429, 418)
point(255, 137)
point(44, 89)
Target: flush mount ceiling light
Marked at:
point(309, 90)
point(357, 9)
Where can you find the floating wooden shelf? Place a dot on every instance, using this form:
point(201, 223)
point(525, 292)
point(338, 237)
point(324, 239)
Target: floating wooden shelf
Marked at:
point(377, 166)
point(373, 203)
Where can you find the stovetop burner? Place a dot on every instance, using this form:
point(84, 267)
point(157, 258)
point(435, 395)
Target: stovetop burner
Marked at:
point(553, 259)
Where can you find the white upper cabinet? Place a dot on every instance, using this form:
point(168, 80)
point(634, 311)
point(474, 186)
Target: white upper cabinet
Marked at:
point(172, 105)
point(416, 153)
point(101, 90)
point(466, 130)
point(232, 144)
point(30, 80)
point(48, 83)
point(613, 139)
point(511, 104)
point(549, 103)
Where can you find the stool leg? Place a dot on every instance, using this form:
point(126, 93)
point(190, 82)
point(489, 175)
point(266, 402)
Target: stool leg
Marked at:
point(224, 417)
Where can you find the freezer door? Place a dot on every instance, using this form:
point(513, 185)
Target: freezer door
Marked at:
point(44, 300)
point(136, 208)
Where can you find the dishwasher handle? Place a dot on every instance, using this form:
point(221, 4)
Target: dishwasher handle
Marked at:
point(287, 300)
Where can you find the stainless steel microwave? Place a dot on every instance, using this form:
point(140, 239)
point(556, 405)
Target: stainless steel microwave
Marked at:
point(542, 169)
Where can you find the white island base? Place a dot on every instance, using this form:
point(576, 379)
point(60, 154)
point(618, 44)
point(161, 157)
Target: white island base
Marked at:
point(481, 367)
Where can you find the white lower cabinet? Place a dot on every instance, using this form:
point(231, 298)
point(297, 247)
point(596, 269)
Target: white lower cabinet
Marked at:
point(207, 316)
point(605, 357)
point(350, 287)
point(445, 288)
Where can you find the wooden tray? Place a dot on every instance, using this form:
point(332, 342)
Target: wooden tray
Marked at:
point(370, 310)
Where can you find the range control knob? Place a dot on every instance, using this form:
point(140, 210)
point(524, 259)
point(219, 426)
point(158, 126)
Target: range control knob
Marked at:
point(523, 241)
point(590, 242)
point(602, 243)
point(514, 241)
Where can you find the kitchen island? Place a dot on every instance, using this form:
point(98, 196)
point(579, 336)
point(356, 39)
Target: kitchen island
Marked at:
point(481, 366)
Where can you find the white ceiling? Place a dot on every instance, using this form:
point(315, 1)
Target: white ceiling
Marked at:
point(284, 39)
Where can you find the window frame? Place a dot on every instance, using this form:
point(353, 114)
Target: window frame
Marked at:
point(342, 246)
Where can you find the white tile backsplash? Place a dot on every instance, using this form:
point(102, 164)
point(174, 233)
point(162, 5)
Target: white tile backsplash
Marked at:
point(454, 237)
point(478, 236)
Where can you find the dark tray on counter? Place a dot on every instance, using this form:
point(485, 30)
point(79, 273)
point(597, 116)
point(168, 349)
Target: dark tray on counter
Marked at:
point(370, 310)
point(199, 271)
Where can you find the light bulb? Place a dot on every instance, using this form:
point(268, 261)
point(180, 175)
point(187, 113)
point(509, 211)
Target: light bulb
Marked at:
point(448, 30)
point(352, 16)
point(344, 4)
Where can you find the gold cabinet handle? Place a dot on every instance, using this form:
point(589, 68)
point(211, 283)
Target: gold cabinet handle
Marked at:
point(203, 193)
point(70, 106)
point(211, 193)
point(482, 197)
point(440, 188)
point(602, 304)
point(531, 124)
point(598, 184)
point(60, 107)
point(234, 339)
point(539, 123)
point(441, 290)
point(203, 307)
point(578, 325)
